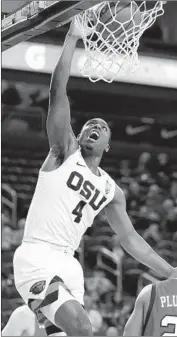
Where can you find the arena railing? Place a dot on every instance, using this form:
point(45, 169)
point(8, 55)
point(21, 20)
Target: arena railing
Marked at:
point(9, 199)
point(117, 271)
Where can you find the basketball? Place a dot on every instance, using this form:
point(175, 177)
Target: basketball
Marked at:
point(118, 19)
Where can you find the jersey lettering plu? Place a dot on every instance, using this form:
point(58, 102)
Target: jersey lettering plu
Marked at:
point(163, 316)
point(66, 202)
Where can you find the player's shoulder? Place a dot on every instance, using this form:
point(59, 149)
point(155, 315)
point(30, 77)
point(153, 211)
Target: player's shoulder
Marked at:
point(119, 196)
point(110, 185)
point(147, 298)
point(144, 299)
point(145, 294)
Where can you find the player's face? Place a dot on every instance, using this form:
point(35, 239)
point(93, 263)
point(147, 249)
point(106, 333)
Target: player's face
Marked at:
point(95, 136)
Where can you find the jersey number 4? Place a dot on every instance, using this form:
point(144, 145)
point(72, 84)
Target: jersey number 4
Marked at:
point(170, 321)
point(78, 211)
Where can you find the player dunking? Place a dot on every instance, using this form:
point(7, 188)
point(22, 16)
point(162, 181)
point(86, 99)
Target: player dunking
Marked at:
point(71, 190)
point(155, 312)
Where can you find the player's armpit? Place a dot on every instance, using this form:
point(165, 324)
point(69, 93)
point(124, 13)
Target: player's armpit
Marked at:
point(57, 154)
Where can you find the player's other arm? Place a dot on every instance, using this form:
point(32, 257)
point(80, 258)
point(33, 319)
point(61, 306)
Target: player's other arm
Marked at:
point(130, 240)
point(59, 130)
point(135, 323)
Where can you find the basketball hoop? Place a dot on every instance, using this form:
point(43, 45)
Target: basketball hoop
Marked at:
point(112, 47)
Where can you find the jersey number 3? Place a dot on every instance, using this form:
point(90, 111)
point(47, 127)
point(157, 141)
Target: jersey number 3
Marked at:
point(172, 321)
point(78, 211)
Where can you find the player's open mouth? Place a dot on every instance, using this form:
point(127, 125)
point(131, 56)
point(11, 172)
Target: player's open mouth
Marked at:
point(94, 135)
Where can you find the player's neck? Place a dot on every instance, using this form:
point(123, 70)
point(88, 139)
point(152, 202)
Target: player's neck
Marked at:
point(92, 163)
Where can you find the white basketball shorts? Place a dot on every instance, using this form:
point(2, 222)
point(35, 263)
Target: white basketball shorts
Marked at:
point(46, 278)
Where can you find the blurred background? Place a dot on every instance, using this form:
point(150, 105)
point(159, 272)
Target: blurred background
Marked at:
point(142, 113)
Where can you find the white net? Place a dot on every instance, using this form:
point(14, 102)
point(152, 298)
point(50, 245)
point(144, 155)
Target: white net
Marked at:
point(116, 28)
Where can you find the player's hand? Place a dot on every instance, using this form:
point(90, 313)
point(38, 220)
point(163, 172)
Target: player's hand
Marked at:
point(75, 31)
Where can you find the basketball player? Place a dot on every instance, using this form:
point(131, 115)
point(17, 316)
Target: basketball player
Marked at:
point(71, 190)
point(155, 312)
point(23, 322)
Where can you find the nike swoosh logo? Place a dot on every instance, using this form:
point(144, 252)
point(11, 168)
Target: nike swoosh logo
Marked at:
point(168, 134)
point(130, 130)
point(80, 164)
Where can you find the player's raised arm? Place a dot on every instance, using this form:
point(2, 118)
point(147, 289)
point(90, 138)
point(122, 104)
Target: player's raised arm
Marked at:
point(58, 121)
point(130, 240)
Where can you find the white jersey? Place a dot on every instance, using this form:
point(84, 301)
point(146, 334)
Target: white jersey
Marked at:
point(66, 202)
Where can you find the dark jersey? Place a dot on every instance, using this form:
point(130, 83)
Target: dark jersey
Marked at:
point(161, 317)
